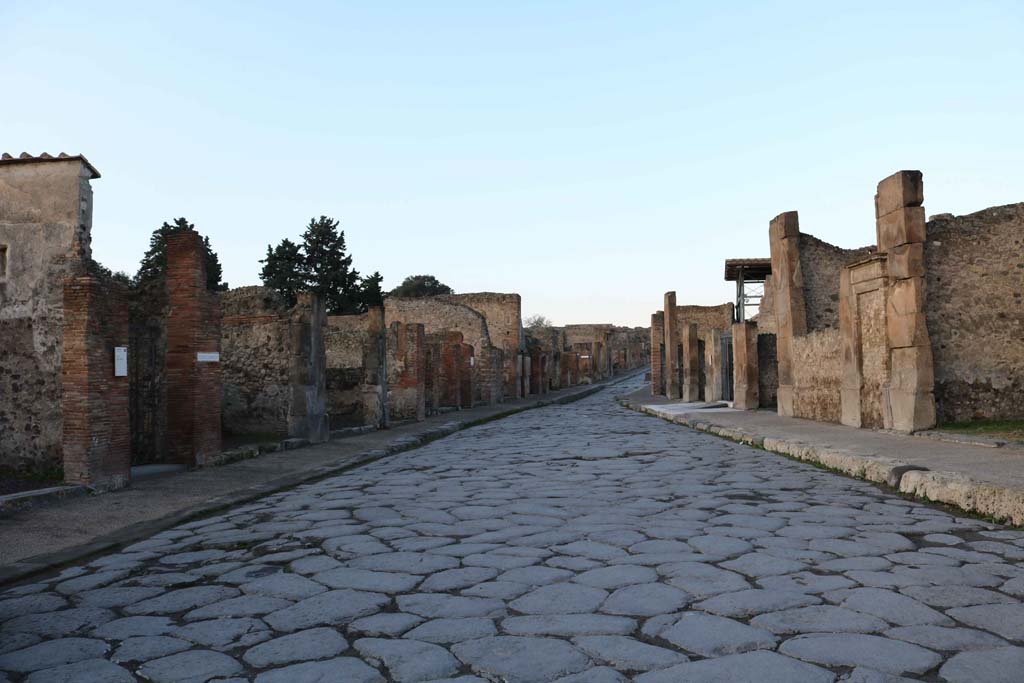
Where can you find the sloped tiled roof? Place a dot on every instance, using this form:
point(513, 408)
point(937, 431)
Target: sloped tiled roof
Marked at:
point(26, 158)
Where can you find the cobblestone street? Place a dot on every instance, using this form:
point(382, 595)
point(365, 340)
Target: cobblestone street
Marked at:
point(579, 543)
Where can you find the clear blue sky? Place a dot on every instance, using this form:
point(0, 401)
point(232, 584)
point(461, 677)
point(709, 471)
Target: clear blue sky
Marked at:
point(588, 155)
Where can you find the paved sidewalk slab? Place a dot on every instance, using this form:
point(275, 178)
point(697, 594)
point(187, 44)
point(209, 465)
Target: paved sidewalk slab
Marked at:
point(39, 538)
point(976, 478)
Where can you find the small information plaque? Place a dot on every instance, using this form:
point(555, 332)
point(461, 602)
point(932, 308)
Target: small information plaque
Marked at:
point(120, 361)
point(208, 356)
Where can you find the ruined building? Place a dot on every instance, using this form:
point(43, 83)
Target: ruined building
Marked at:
point(691, 351)
point(922, 327)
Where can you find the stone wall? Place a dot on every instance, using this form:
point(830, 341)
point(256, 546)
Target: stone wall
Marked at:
point(504, 316)
point(816, 375)
point(354, 349)
point(657, 353)
point(441, 314)
point(766, 309)
point(256, 358)
point(45, 223)
point(974, 270)
point(820, 264)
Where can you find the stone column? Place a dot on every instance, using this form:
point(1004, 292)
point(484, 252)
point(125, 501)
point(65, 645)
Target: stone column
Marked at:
point(307, 411)
point(466, 364)
point(671, 368)
point(744, 366)
point(657, 351)
point(691, 363)
point(900, 225)
point(713, 353)
point(374, 385)
point(97, 438)
point(790, 310)
point(192, 366)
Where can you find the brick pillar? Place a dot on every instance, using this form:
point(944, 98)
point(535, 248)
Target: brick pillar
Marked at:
point(192, 366)
point(449, 375)
point(744, 366)
point(690, 390)
point(713, 364)
point(406, 371)
point(671, 369)
point(97, 431)
point(307, 411)
point(374, 386)
point(657, 352)
point(790, 310)
point(467, 361)
point(900, 226)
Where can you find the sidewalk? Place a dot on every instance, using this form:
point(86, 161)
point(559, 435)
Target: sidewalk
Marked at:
point(980, 479)
point(43, 537)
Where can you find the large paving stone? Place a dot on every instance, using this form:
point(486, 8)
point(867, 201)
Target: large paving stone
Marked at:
point(61, 623)
point(513, 659)
point(315, 643)
point(610, 578)
point(1004, 620)
point(30, 604)
point(406, 563)
point(440, 605)
point(283, 585)
point(645, 600)
point(893, 607)
point(999, 665)
point(242, 606)
point(194, 666)
point(746, 603)
point(628, 654)
point(750, 667)
point(331, 609)
point(347, 669)
point(819, 619)
point(948, 639)
point(857, 649)
point(408, 660)
point(564, 598)
point(385, 624)
point(711, 636)
point(702, 580)
point(568, 625)
point(182, 599)
point(454, 579)
point(88, 671)
point(367, 580)
point(53, 653)
point(145, 648)
point(453, 630)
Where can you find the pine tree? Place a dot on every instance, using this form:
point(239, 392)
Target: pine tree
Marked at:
point(154, 261)
point(370, 291)
point(283, 270)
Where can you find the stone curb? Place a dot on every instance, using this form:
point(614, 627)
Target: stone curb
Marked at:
point(16, 501)
point(951, 488)
point(39, 564)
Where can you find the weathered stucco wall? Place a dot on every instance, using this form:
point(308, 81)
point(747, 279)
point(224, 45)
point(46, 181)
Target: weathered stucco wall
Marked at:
point(255, 354)
point(816, 375)
point(820, 264)
point(504, 316)
point(974, 270)
point(442, 314)
point(45, 221)
point(354, 346)
point(766, 309)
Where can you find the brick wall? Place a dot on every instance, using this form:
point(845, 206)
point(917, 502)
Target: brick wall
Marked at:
point(193, 327)
point(503, 313)
point(406, 367)
point(96, 435)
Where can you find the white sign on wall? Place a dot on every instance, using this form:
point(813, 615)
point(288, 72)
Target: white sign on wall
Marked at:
point(120, 361)
point(208, 357)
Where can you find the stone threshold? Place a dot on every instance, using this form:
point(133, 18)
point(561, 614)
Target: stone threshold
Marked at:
point(202, 492)
point(864, 454)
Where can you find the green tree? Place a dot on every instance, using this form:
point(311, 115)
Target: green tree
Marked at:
point(283, 270)
point(370, 291)
point(320, 265)
point(327, 269)
point(154, 261)
point(419, 286)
